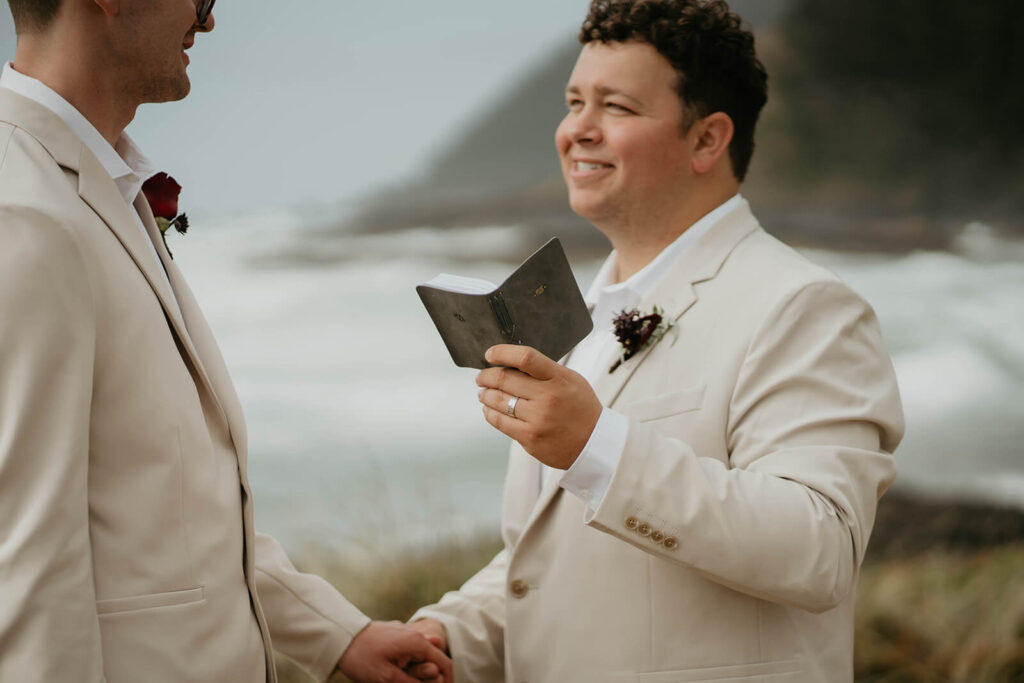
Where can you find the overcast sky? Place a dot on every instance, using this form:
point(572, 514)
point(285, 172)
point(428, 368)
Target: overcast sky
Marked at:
point(299, 103)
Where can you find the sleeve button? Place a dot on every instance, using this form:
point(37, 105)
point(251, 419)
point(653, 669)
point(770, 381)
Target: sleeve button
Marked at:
point(632, 523)
point(671, 543)
point(657, 536)
point(644, 529)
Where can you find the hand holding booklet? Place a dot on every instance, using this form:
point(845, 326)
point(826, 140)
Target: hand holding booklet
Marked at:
point(538, 305)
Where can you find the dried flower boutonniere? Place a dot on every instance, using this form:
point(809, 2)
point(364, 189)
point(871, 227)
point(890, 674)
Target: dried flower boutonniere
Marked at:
point(162, 194)
point(634, 330)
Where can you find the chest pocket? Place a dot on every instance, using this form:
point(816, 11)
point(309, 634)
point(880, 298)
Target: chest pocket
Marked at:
point(666, 405)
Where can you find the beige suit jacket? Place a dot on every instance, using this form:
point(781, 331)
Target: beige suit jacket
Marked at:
point(728, 545)
point(127, 548)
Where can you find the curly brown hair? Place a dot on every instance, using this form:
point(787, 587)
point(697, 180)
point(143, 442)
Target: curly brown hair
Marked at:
point(709, 49)
point(33, 15)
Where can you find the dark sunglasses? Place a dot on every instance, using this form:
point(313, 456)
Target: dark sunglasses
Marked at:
point(203, 11)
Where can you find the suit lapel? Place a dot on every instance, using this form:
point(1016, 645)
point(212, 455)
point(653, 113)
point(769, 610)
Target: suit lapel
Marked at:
point(98, 191)
point(675, 302)
point(675, 293)
point(548, 492)
point(521, 491)
point(203, 347)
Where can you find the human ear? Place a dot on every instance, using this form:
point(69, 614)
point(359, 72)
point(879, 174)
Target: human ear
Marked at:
point(712, 135)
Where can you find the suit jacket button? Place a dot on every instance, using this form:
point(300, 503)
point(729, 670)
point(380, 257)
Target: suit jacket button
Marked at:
point(657, 536)
point(644, 529)
point(671, 543)
point(632, 523)
point(519, 588)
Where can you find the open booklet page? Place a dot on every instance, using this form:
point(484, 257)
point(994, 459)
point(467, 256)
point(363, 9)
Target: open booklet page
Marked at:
point(463, 285)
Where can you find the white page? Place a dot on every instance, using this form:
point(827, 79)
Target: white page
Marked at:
point(463, 285)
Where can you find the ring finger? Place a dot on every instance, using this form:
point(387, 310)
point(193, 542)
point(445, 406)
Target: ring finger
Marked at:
point(498, 400)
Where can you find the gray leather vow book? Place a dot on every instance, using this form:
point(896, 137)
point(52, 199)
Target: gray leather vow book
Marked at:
point(538, 305)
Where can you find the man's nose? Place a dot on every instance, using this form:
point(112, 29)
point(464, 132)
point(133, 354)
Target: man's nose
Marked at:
point(583, 126)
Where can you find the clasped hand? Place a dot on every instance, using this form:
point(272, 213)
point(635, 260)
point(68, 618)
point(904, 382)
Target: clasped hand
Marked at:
point(557, 408)
point(395, 652)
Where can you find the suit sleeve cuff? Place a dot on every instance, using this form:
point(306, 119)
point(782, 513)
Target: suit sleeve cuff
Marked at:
point(588, 478)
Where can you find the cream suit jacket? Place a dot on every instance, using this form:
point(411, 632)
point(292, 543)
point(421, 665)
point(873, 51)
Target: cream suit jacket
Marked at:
point(728, 544)
point(127, 548)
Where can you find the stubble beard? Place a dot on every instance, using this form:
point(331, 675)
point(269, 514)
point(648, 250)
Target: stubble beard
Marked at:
point(171, 85)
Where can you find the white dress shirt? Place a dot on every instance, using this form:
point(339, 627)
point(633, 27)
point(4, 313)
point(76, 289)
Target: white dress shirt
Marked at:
point(128, 167)
point(589, 476)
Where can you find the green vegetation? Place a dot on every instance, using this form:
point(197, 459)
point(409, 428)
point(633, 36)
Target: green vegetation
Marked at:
point(939, 616)
point(394, 586)
point(943, 617)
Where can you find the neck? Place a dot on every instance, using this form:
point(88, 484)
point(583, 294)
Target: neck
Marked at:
point(63, 64)
point(638, 241)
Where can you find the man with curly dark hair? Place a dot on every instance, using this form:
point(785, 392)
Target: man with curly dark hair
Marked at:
point(693, 505)
point(713, 56)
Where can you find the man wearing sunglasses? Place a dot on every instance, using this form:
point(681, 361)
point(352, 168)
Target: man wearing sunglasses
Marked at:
point(127, 548)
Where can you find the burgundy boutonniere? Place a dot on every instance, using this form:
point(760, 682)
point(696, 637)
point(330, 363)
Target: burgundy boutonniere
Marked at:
point(162, 194)
point(635, 330)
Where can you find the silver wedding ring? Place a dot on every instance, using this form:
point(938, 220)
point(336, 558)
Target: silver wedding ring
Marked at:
point(510, 407)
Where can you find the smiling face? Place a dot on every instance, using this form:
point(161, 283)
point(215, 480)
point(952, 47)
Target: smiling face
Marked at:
point(150, 47)
point(623, 146)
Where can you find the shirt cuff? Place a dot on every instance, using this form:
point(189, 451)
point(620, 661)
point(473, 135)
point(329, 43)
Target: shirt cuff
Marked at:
point(588, 478)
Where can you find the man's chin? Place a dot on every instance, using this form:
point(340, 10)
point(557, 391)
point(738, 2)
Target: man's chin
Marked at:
point(173, 92)
point(587, 207)
point(181, 86)
point(182, 92)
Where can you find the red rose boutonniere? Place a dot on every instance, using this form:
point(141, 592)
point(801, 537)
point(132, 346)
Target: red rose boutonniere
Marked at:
point(635, 330)
point(162, 194)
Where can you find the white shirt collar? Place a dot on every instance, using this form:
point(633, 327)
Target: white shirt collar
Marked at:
point(642, 282)
point(127, 165)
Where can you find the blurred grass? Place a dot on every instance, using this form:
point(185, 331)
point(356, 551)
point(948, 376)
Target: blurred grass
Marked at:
point(943, 617)
point(395, 583)
point(936, 617)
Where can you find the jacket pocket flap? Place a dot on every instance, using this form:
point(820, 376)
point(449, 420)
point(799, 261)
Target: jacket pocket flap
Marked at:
point(665, 405)
point(137, 602)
